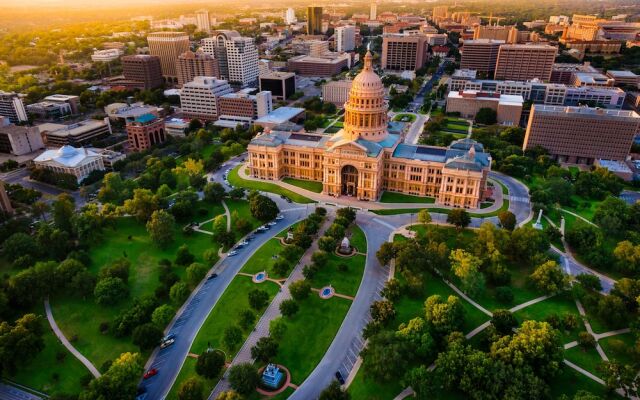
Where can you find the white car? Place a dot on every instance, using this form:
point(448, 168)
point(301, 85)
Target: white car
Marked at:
point(232, 253)
point(272, 223)
point(243, 243)
point(227, 182)
point(280, 217)
point(167, 343)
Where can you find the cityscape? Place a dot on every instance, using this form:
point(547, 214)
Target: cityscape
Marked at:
point(365, 200)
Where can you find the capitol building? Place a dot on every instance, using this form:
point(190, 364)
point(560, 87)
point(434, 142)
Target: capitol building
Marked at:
point(364, 159)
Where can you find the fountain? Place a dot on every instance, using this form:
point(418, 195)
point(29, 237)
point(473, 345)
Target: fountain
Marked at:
point(327, 292)
point(345, 246)
point(260, 277)
point(538, 224)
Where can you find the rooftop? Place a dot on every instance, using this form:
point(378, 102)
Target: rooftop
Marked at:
point(66, 155)
point(614, 166)
point(621, 74)
point(72, 130)
point(280, 115)
point(589, 111)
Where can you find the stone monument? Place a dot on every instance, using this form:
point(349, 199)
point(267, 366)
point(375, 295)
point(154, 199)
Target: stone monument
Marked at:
point(538, 224)
point(345, 246)
point(271, 376)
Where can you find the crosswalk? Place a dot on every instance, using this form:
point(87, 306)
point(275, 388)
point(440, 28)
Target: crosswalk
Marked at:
point(518, 199)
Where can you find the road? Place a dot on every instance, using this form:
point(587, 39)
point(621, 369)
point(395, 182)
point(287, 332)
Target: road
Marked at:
point(519, 203)
point(190, 318)
point(21, 177)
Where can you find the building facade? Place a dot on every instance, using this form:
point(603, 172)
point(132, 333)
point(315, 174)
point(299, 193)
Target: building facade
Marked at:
point(19, 140)
point(480, 55)
point(198, 98)
point(242, 104)
point(402, 52)
point(143, 70)
point(203, 21)
point(76, 134)
point(581, 135)
point(145, 131)
point(345, 38)
point(508, 108)
point(190, 64)
point(79, 162)
point(336, 92)
point(363, 159)
point(314, 20)
point(168, 46)
point(242, 61)
point(282, 85)
point(11, 107)
point(521, 62)
point(328, 65)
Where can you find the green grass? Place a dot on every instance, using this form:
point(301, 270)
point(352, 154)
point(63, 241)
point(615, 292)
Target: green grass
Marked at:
point(236, 180)
point(369, 389)
point(71, 313)
point(346, 282)
point(309, 333)
point(588, 359)
point(40, 372)
point(620, 352)
point(394, 197)
point(358, 239)
point(397, 211)
point(264, 258)
point(311, 186)
point(569, 381)
point(559, 304)
point(404, 117)
point(244, 211)
point(188, 371)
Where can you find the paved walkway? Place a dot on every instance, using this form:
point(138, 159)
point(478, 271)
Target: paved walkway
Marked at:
point(228, 214)
point(54, 326)
point(271, 313)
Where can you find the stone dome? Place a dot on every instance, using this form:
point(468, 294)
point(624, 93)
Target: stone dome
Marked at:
point(367, 80)
point(67, 151)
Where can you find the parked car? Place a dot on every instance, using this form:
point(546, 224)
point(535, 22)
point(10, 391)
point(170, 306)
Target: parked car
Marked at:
point(339, 377)
point(279, 217)
point(212, 276)
point(168, 337)
point(244, 243)
point(232, 253)
point(167, 343)
point(272, 223)
point(150, 373)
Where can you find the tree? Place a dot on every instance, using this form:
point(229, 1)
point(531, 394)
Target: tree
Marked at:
point(627, 257)
point(507, 220)
point(586, 340)
point(142, 205)
point(444, 316)
point(612, 215)
point(486, 116)
point(163, 315)
point(184, 256)
point(233, 395)
point(467, 268)
point(247, 319)
point(589, 281)
point(386, 356)
point(109, 291)
point(424, 217)
point(195, 273)
point(459, 217)
point(334, 392)
point(232, 337)
point(191, 389)
point(300, 289)
point(18, 245)
point(40, 209)
point(583, 236)
point(289, 307)
point(263, 208)
point(265, 349)
point(210, 363)
point(20, 343)
point(277, 328)
point(258, 298)
point(161, 228)
point(617, 375)
point(146, 336)
point(503, 321)
point(119, 268)
point(119, 382)
point(382, 311)
point(548, 278)
point(244, 378)
point(386, 253)
point(527, 243)
point(179, 292)
point(213, 192)
point(63, 210)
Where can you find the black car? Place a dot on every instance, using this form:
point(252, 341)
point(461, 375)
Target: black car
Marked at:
point(212, 276)
point(339, 377)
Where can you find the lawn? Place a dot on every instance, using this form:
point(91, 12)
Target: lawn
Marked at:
point(45, 373)
point(560, 305)
point(309, 333)
point(397, 211)
point(264, 258)
point(244, 211)
point(404, 117)
point(358, 239)
point(369, 389)
point(311, 186)
point(569, 381)
point(188, 370)
point(617, 348)
point(588, 359)
point(394, 197)
point(265, 186)
point(128, 239)
point(346, 282)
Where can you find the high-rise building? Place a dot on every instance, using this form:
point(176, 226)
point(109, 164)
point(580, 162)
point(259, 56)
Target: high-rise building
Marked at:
point(203, 22)
point(11, 106)
point(314, 20)
point(290, 16)
point(373, 12)
point(521, 62)
point(336, 92)
point(480, 55)
point(401, 52)
point(143, 70)
point(198, 98)
point(508, 107)
point(242, 61)
point(19, 140)
point(345, 38)
point(282, 85)
point(242, 104)
point(439, 12)
point(190, 64)
point(581, 135)
point(168, 46)
point(145, 131)
point(507, 33)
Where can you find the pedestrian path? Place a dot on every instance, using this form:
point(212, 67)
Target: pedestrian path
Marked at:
point(65, 342)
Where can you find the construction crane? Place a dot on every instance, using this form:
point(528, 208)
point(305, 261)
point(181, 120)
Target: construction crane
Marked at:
point(491, 18)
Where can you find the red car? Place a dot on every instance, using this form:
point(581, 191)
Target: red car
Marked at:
point(150, 373)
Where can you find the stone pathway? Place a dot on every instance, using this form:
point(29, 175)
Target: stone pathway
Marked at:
point(65, 342)
point(271, 313)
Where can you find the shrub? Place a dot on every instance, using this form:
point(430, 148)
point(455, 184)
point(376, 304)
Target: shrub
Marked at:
point(258, 298)
point(247, 319)
point(210, 363)
point(244, 378)
point(504, 294)
point(289, 307)
point(586, 340)
point(300, 289)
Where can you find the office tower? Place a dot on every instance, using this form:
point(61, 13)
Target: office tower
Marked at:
point(168, 46)
point(198, 98)
point(145, 131)
point(143, 69)
point(581, 135)
point(281, 84)
point(507, 33)
point(11, 106)
point(215, 47)
point(190, 64)
point(19, 140)
point(336, 92)
point(242, 104)
point(373, 13)
point(480, 55)
point(242, 61)
point(314, 20)
point(345, 38)
point(402, 52)
point(522, 62)
point(508, 107)
point(290, 16)
point(439, 12)
point(203, 22)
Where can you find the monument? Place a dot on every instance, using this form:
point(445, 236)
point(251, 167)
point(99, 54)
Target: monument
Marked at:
point(345, 246)
point(271, 376)
point(538, 224)
point(289, 238)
